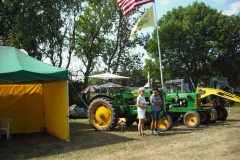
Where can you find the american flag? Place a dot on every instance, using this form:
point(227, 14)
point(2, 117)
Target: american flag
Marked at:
point(128, 5)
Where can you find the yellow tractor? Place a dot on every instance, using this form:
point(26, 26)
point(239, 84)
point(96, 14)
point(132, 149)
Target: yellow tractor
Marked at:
point(216, 95)
point(215, 98)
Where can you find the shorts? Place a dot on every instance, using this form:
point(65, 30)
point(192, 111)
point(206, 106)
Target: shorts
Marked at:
point(141, 114)
point(155, 115)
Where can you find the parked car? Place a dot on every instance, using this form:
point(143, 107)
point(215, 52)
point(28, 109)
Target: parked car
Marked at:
point(76, 111)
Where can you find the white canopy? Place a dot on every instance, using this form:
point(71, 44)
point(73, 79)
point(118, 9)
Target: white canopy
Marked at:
point(110, 85)
point(107, 76)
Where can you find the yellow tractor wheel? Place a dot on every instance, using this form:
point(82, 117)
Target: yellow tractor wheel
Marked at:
point(165, 123)
point(102, 115)
point(192, 119)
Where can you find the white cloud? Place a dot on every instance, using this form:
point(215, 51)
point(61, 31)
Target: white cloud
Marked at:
point(163, 2)
point(233, 9)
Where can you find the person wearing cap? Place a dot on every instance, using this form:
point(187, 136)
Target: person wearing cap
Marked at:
point(155, 101)
point(141, 110)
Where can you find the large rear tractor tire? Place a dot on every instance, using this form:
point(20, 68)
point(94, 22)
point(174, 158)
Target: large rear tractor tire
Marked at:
point(192, 119)
point(205, 117)
point(214, 115)
point(102, 114)
point(222, 113)
point(165, 123)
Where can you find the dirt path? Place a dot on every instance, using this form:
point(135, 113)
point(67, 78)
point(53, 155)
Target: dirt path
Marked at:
point(217, 141)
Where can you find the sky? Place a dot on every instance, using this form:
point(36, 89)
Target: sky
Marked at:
point(228, 7)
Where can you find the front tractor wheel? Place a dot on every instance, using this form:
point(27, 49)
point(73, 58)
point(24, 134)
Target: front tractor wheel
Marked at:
point(191, 119)
point(165, 123)
point(102, 114)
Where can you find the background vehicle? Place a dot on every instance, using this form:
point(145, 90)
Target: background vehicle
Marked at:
point(220, 83)
point(218, 95)
point(77, 112)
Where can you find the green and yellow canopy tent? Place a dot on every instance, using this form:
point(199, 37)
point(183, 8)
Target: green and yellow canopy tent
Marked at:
point(33, 94)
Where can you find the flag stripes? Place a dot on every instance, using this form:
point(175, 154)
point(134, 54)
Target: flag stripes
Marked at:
point(128, 5)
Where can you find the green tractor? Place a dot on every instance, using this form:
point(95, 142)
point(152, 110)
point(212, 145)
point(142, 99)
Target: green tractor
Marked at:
point(105, 111)
point(183, 103)
point(207, 100)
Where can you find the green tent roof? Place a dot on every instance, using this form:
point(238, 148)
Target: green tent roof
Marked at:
point(17, 66)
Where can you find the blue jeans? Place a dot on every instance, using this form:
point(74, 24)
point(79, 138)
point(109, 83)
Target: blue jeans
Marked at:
point(155, 115)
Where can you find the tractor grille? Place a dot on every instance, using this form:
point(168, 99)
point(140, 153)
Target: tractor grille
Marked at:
point(197, 102)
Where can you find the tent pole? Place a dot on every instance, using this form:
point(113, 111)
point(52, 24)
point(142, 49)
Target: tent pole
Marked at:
point(68, 140)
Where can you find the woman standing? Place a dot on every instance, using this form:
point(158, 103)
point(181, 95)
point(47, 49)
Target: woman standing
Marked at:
point(141, 110)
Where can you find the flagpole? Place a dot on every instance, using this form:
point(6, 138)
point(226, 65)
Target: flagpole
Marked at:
point(159, 55)
point(158, 40)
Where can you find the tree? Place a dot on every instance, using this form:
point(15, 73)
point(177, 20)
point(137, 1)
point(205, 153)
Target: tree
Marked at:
point(43, 28)
point(61, 45)
point(103, 41)
point(189, 42)
point(118, 44)
point(91, 27)
point(228, 45)
point(20, 25)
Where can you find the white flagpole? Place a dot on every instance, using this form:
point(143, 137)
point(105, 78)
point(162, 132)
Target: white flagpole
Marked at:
point(159, 49)
point(159, 53)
